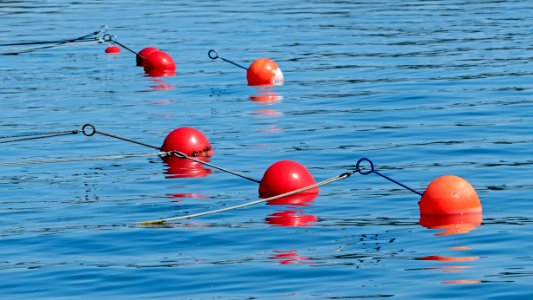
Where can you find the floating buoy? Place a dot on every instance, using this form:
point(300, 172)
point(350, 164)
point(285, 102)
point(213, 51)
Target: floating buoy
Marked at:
point(112, 50)
point(449, 195)
point(143, 54)
point(286, 176)
point(185, 168)
point(159, 63)
point(290, 218)
point(264, 71)
point(189, 141)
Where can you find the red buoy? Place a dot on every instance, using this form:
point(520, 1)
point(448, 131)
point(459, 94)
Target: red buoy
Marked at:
point(189, 141)
point(112, 50)
point(143, 54)
point(448, 195)
point(286, 176)
point(159, 61)
point(264, 71)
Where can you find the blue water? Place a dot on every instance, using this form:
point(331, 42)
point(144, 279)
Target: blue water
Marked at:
point(422, 88)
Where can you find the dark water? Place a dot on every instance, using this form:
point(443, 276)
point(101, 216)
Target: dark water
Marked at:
point(423, 88)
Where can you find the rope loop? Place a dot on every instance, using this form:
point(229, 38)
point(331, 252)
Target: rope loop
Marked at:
point(361, 171)
point(90, 132)
point(214, 56)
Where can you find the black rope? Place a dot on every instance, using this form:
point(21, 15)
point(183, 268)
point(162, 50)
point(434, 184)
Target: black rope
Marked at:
point(47, 42)
point(35, 136)
point(114, 40)
point(372, 170)
point(84, 38)
point(214, 55)
point(185, 156)
point(90, 130)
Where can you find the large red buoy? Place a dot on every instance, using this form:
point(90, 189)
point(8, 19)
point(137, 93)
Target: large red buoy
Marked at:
point(143, 54)
point(449, 195)
point(112, 50)
point(264, 71)
point(286, 176)
point(189, 141)
point(159, 62)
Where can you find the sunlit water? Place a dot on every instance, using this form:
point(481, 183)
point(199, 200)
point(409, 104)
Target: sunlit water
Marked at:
point(422, 88)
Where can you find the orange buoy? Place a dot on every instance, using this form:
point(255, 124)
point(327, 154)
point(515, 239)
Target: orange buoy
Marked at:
point(159, 61)
point(286, 176)
point(448, 195)
point(189, 141)
point(264, 71)
point(112, 50)
point(143, 54)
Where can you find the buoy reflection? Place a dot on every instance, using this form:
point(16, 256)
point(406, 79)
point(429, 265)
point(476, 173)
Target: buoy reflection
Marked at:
point(288, 257)
point(452, 224)
point(185, 168)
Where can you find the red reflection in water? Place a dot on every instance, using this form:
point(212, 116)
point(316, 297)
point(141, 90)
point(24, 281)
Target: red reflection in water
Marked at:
point(452, 224)
point(289, 257)
point(448, 258)
point(186, 196)
point(268, 112)
point(290, 218)
point(159, 73)
point(162, 87)
point(266, 95)
point(185, 168)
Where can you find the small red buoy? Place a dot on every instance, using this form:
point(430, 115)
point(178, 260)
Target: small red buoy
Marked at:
point(189, 141)
point(143, 54)
point(159, 60)
point(264, 71)
point(286, 176)
point(112, 50)
point(448, 195)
